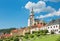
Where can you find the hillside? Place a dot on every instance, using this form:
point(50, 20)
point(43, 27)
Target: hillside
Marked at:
point(44, 38)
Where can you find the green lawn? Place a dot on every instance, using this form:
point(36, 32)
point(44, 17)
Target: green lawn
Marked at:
point(43, 38)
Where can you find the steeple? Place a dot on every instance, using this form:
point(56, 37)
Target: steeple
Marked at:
point(32, 12)
point(31, 18)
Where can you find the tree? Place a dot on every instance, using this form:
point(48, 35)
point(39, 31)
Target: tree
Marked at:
point(7, 30)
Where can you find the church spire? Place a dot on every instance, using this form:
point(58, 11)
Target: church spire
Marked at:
point(31, 18)
point(32, 12)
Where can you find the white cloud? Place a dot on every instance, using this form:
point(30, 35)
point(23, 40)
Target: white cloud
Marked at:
point(56, 13)
point(39, 7)
point(52, 0)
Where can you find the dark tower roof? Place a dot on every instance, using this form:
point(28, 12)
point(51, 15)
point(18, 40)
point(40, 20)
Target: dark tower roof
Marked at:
point(32, 12)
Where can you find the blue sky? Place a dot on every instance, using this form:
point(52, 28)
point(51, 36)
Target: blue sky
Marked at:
point(13, 13)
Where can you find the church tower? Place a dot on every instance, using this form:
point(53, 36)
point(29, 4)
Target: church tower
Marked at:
point(31, 18)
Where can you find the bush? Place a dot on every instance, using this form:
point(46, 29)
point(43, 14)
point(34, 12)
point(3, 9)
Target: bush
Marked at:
point(1, 40)
point(11, 38)
point(34, 32)
point(16, 39)
point(26, 37)
point(27, 33)
point(46, 31)
point(21, 36)
point(7, 40)
point(52, 32)
point(32, 36)
point(38, 32)
point(38, 35)
point(43, 32)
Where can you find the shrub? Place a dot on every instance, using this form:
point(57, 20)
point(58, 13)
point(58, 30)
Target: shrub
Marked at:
point(38, 35)
point(46, 31)
point(34, 32)
point(11, 38)
point(7, 40)
point(32, 36)
point(16, 39)
point(26, 37)
point(21, 36)
point(27, 33)
point(38, 32)
point(52, 32)
point(1, 40)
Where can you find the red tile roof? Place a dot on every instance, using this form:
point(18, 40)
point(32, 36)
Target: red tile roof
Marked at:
point(7, 35)
point(15, 31)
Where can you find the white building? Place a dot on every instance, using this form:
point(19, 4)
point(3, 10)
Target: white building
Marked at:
point(54, 26)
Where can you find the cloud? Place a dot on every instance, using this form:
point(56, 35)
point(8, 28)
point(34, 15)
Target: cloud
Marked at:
point(52, 0)
point(39, 7)
point(56, 13)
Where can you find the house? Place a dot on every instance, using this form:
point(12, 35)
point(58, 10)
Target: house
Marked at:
point(7, 35)
point(17, 32)
point(54, 26)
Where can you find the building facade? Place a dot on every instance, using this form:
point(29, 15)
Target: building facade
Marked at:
point(54, 26)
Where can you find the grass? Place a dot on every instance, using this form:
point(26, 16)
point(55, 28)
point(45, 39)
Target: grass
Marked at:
point(43, 38)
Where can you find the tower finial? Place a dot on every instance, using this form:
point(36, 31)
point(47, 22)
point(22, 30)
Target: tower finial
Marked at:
point(32, 8)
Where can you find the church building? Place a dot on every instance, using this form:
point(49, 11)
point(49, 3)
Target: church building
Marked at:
point(31, 20)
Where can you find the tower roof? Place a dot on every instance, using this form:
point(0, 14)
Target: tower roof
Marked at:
point(32, 12)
